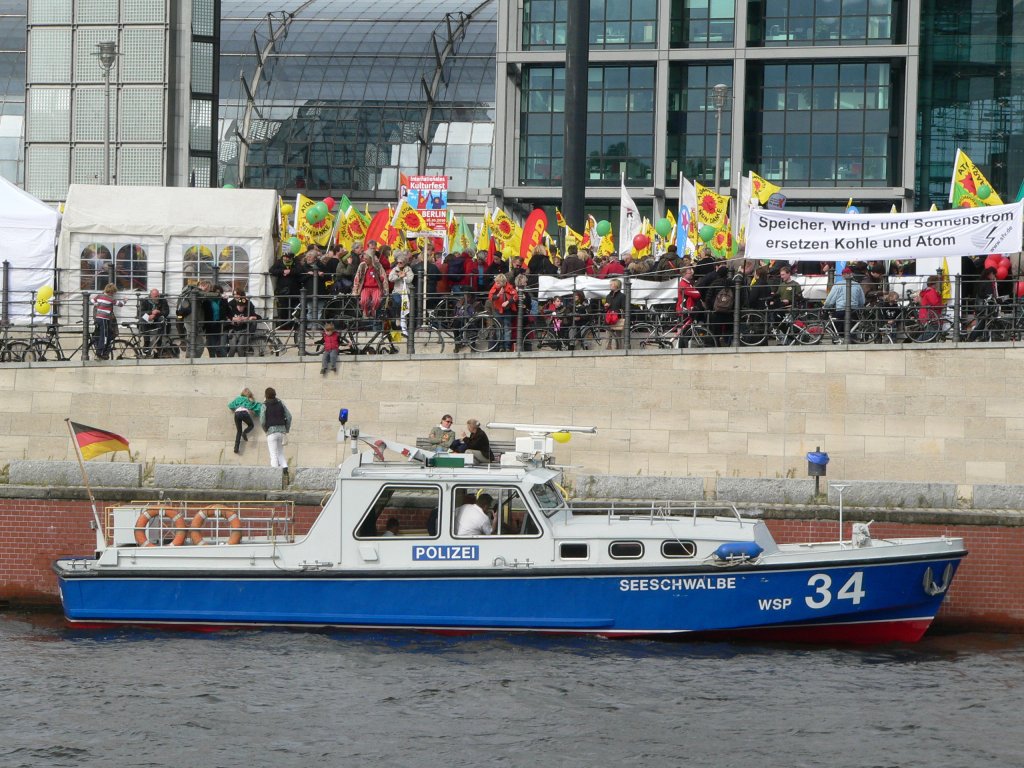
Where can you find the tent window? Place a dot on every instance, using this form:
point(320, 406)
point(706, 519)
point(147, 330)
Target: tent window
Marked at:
point(131, 268)
point(231, 265)
point(95, 267)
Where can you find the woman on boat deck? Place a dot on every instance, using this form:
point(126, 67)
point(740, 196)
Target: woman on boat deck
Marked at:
point(442, 436)
point(244, 406)
point(276, 421)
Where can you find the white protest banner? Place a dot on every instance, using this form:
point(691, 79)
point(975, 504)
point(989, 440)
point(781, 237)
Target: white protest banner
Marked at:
point(794, 236)
point(642, 291)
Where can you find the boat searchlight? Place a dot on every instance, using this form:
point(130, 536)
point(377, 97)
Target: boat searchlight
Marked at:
point(539, 444)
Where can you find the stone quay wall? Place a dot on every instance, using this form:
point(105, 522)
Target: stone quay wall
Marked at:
point(941, 414)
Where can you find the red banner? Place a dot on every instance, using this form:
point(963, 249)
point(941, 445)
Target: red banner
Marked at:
point(533, 232)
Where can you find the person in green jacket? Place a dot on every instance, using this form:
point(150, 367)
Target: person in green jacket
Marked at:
point(244, 406)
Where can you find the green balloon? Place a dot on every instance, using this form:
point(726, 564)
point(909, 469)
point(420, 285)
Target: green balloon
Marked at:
point(294, 244)
point(322, 211)
point(663, 227)
point(229, 186)
point(984, 191)
point(604, 227)
point(707, 232)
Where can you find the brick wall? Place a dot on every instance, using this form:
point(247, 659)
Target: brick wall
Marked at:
point(988, 592)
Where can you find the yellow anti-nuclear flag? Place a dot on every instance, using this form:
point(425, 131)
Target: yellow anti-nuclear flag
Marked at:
point(712, 208)
point(969, 188)
point(761, 188)
point(319, 233)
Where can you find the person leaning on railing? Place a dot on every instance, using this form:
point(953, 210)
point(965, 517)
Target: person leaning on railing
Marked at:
point(242, 319)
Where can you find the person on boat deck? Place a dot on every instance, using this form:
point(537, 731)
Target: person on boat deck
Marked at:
point(276, 421)
point(442, 436)
point(475, 442)
point(475, 517)
point(392, 527)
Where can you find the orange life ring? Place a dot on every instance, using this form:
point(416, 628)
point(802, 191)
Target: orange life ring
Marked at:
point(148, 515)
point(231, 518)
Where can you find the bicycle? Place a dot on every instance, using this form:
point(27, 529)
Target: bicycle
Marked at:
point(50, 348)
point(160, 344)
point(684, 332)
point(11, 350)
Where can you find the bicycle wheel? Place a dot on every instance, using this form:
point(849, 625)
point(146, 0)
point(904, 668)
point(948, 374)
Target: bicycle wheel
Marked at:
point(483, 333)
point(593, 338)
point(997, 329)
point(122, 349)
point(920, 332)
point(644, 336)
point(753, 332)
point(40, 351)
point(14, 351)
point(809, 329)
point(864, 331)
point(429, 339)
point(698, 337)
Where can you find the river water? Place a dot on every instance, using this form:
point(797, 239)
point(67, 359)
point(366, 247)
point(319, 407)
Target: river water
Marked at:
point(138, 698)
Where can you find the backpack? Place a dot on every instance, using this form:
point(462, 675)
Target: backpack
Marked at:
point(723, 300)
point(184, 306)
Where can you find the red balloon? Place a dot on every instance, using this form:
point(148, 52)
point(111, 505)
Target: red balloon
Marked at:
point(330, 203)
point(1003, 261)
point(1002, 271)
point(641, 241)
point(1020, 289)
point(992, 261)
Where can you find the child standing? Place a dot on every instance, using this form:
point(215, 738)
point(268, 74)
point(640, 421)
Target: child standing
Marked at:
point(331, 344)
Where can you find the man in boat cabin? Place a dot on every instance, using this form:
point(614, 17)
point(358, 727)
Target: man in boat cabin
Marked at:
point(475, 517)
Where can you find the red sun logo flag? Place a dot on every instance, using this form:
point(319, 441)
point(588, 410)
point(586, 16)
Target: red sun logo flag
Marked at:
point(967, 182)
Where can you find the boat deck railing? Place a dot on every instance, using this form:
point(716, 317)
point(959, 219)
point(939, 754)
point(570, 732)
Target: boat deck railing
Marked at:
point(654, 510)
point(176, 523)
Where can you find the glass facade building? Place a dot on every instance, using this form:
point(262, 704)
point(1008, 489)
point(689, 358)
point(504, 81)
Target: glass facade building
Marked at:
point(832, 99)
point(325, 97)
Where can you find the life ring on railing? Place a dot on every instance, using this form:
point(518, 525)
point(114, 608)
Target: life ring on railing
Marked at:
point(232, 518)
point(148, 515)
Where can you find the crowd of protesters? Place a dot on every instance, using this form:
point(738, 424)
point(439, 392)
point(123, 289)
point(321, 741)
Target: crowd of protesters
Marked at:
point(383, 288)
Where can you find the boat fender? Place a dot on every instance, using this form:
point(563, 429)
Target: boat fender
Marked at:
point(231, 518)
point(738, 551)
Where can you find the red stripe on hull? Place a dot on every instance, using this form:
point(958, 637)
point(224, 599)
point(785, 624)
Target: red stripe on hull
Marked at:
point(867, 633)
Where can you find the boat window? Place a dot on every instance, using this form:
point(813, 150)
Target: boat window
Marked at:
point(548, 497)
point(402, 511)
point(626, 550)
point(506, 512)
point(573, 551)
point(676, 548)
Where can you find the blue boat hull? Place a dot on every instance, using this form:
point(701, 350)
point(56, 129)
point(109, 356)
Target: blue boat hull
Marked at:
point(866, 602)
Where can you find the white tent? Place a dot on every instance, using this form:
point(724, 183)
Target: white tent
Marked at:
point(28, 228)
point(161, 237)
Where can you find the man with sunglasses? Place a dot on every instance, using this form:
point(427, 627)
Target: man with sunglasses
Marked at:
point(442, 436)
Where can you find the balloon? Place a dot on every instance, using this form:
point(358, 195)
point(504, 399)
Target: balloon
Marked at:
point(1003, 261)
point(984, 191)
point(992, 262)
point(1020, 289)
point(604, 228)
point(330, 202)
point(707, 232)
point(294, 244)
point(322, 210)
point(561, 437)
point(1002, 272)
point(229, 186)
point(663, 227)
point(45, 293)
point(641, 241)
point(287, 209)
point(42, 307)
point(853, 209)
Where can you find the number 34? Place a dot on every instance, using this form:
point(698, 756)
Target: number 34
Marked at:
point(852, 590)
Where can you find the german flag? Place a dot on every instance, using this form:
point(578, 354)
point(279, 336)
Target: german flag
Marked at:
point(94, 442)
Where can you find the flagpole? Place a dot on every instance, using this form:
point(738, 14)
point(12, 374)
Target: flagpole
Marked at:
point(101, 540)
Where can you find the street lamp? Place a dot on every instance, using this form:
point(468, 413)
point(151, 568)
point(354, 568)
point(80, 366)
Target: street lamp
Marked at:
point(719, 92)
point(107, 55)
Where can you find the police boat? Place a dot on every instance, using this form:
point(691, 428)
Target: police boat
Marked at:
point(413, 540)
